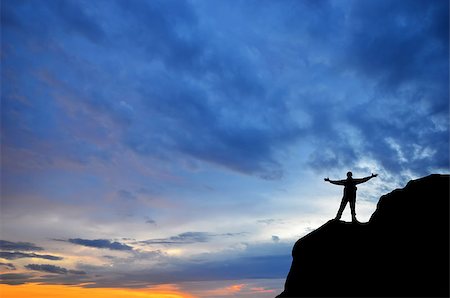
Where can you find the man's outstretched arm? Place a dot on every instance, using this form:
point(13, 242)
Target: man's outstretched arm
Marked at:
point(337, 182)
point(365, 179)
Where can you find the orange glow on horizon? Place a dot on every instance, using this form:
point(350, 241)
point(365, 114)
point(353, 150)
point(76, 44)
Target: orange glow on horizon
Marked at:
point(235, 288)
point(230, 290)
point(63, 291)
point(262, 290)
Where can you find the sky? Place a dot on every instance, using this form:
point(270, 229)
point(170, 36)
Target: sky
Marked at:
point(178, 148)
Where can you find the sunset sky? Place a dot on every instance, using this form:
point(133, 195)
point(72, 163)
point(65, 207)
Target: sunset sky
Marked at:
point(177, 149)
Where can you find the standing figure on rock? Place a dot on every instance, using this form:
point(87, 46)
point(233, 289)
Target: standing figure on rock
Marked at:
point(349, 192)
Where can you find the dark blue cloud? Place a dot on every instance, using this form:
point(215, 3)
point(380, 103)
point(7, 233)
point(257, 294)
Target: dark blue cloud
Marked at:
point(41, 29)
point(243, 268)
point(397, 42)
point(401, 48)
point(406, 53)
point(164, 29)
point(269, 221)
point(76, 20)
point(101, 243)
point(125, 194)
point(174, 81)
point(207, 125)
point(183, 238)
point(19, 255)
point(264, 261)
point(188, 238)
point(150, 221)
point(188, 120)
point(15, 278)
point(53, 269)
point(18, 246)
point(235, 268)
point(239, 134)
point(46, 19)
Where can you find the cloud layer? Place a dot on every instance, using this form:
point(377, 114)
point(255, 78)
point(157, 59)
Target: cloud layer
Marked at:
point(100, 243)
point(52, 269)
point(19, 246)
point(18, 255)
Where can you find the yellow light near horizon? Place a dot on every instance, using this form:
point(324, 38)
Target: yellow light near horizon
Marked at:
point(174, 251)
point(63, 291)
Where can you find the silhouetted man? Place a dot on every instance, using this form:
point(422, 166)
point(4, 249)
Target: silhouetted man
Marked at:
point(349, 192)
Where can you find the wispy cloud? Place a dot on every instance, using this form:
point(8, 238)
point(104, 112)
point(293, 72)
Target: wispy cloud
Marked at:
point(188, 238)
point(47, 268)
point(18, 246)
point(126, 195)
point(270, 221)
point(150, 221)
point(8, 266)
point(19, 255)
point(101, 243)
point(15, 278)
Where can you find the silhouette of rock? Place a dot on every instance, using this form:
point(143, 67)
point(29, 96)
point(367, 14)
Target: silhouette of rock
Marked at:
point(402, 251)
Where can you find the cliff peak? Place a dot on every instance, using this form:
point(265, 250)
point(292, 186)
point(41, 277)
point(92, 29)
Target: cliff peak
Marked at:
point(402, 251)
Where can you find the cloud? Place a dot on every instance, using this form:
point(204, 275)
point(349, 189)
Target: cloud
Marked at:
point(53, 269)
point(183, 238)
point(191, 237)
point(366, 50)
point(270, 221)
point(405, 60)
point(163, 22)
point(215, 97)
point(228, 111)
point(266, 260)
point(70, 17)
point(126, 195)
point(109, 257)
point(8, 266)
point(101, 243)
point(186, 120)
point(269, 266)
point(77, 20)
point(18, 246)
point(393, 53)
point(150, 221)
point(242, 268)
point(19, 255)
point(15, 278)
point(188, 238)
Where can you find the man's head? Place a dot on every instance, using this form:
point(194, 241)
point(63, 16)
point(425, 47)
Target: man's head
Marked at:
point(349, 174)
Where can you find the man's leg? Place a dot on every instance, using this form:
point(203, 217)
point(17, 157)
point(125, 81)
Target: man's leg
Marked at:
point(341, 208)
point(352, 208)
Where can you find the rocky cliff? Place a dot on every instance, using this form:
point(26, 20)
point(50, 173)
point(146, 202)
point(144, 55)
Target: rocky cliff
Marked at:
point(402, 251)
